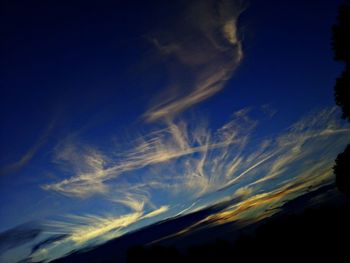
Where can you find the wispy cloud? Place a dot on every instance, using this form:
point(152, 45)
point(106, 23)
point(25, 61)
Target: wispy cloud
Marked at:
point(87, 230)
point(204, 43)
point(187, 162)
point(192, 159)
point(162, 148)
point(89, 166)
point(29, 154)
point(18, 236)
point(257, 205)
point(157, 212)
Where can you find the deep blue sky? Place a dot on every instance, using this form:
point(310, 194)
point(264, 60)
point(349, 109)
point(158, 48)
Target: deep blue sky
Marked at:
point(82, 58)
point(80, 79)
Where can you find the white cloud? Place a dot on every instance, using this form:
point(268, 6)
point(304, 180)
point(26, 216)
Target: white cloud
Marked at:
point(187, 161)
point(205, 43)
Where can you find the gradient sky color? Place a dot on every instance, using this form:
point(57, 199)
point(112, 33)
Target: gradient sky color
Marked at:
point(115, 115)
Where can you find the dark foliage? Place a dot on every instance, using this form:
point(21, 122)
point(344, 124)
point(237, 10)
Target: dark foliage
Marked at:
point(341, 169)
point(341, 32)
point(342, 92)
point(341, 48)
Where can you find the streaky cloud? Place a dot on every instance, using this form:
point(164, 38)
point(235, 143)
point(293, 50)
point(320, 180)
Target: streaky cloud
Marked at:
point(47, 241)
point(165, 146)
point(205, 43)
point(158, 211)
point(185, 162)
point(29, 154)
point(193, 160)
point(18, 236)
point(85, 231)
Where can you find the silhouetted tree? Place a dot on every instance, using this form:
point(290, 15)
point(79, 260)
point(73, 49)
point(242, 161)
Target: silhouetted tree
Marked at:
point(341, 40)
point(341, 48)
point(341, 44)
point(341, 169)
point(342, 91)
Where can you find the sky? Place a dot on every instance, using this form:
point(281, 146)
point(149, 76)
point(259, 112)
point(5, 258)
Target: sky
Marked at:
point(118, 114)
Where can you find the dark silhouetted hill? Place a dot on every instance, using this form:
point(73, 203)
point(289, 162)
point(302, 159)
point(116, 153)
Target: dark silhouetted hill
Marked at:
point(291, 233)
point(321, 233)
